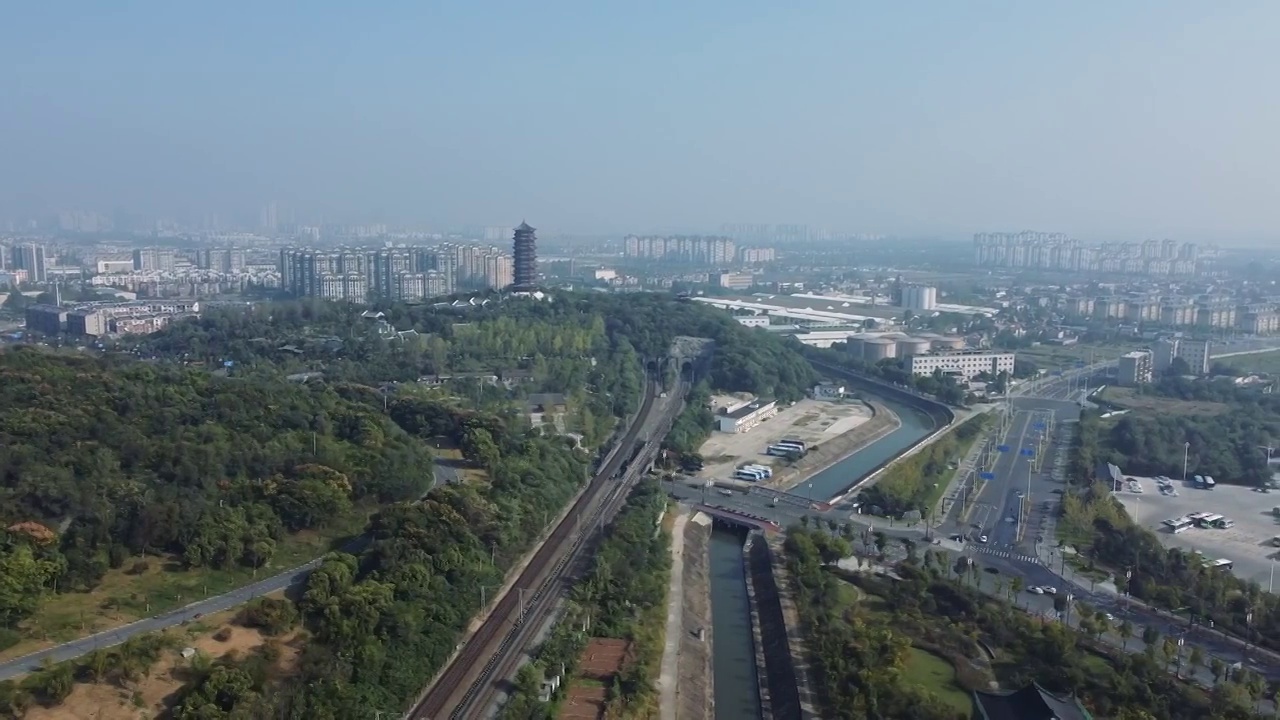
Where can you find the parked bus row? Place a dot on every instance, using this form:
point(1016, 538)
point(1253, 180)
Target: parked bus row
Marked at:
point(787, 448)
point(1205, 520)
point(753, 473)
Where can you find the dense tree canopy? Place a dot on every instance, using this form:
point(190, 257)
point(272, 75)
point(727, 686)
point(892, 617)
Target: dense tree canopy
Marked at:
point(1225, 445)
point(861, 648)
point(561, 341)
point(1166, 577)
point(127, 457)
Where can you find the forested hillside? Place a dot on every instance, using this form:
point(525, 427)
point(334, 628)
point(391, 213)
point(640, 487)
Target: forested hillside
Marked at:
point(1225, 444)
point(383, 622)
point(561, 342)
point(129, 458)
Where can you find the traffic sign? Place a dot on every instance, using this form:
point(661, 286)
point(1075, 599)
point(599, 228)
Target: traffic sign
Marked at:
point(987, 475)
point(1002, 448)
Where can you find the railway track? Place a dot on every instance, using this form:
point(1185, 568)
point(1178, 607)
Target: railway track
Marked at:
point(515, 647)
point(487, 648)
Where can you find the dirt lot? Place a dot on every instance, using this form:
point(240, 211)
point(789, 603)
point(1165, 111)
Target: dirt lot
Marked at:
point(149, 697)
point(1248, 544)
point(813, 422)
point(1155, 405)
point(599, 663)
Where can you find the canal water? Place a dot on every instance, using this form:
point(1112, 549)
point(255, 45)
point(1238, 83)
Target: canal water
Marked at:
point(733, 664)
point(736, 682)
point(836, 479)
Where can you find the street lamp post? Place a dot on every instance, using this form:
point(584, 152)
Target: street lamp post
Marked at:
point(1186, 454)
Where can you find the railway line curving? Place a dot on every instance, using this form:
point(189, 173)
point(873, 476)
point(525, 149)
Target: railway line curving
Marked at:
point(466, 685)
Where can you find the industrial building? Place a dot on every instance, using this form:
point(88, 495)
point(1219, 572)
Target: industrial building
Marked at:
point(964, 364)
point(741, 418)
point(753, 320)
point(1135, 368)
point(919, 297)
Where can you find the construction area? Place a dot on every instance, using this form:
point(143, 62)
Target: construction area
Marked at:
point(812, 422)
point(1241, 523)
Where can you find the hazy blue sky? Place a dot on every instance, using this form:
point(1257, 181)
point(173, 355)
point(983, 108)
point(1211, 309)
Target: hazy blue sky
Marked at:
point(1105, 119)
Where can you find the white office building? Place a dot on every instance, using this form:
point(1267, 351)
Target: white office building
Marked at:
point(743, 417)
point(962, 365)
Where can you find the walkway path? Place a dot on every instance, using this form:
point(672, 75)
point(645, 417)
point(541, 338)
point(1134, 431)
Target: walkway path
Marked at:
point(117, 635)
point(669, 678)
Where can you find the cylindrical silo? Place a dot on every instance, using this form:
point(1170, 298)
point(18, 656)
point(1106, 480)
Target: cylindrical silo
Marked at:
point(854, 345)
point(912, 346)
point(877, 349)
point(948, 343)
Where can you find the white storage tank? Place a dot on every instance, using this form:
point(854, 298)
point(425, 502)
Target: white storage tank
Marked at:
point(854, 344)
point(943, 342)
point(912, 346)
point(877, 349)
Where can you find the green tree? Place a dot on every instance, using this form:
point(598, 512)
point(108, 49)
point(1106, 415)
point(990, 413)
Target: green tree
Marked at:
point(24, 578)
point(1125, 629)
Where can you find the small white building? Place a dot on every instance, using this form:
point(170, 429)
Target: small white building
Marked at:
point(828, 391)
point(741, 418)
point(753, 320)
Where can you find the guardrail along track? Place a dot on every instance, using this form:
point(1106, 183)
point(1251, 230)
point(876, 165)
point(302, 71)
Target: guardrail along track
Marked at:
point(498, 631)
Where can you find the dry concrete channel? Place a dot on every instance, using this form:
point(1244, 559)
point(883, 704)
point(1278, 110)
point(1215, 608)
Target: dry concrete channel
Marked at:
point(754, 664)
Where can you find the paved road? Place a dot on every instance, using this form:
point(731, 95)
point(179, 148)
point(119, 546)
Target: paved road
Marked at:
point(1009, 552)
point(669, 678)
point(115, 636)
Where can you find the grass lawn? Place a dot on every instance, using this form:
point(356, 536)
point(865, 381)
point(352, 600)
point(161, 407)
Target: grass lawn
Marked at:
point(1267, 362)
point(933, 494)
point(935, 674)
point(1156, 405)
point(1052, 357)
point(122, 597)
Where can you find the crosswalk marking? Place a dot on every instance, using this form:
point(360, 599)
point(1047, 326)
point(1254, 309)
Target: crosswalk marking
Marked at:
point(1008, 554)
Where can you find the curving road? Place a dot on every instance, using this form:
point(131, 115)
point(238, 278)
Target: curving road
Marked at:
point(218, 603)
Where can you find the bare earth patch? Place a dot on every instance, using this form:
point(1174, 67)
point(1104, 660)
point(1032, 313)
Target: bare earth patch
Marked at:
point(149, 697)
point(813, 422)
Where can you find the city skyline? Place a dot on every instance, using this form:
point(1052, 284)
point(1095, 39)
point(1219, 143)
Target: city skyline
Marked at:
point(1114, 122)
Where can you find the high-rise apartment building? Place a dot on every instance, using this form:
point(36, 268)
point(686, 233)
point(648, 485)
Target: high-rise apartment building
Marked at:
point(1135, 368)
point(154, 260)
point(693, 250)
point(394, 274)
point(223, 260)
point(525, 250)
point(270, 217)
point(31, 257)
point(1055, 251)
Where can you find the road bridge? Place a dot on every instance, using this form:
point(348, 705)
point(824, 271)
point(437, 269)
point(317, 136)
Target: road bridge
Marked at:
point(739, 518)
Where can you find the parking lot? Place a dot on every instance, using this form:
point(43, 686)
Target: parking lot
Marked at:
point(812, 422)
point(1249, 543)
